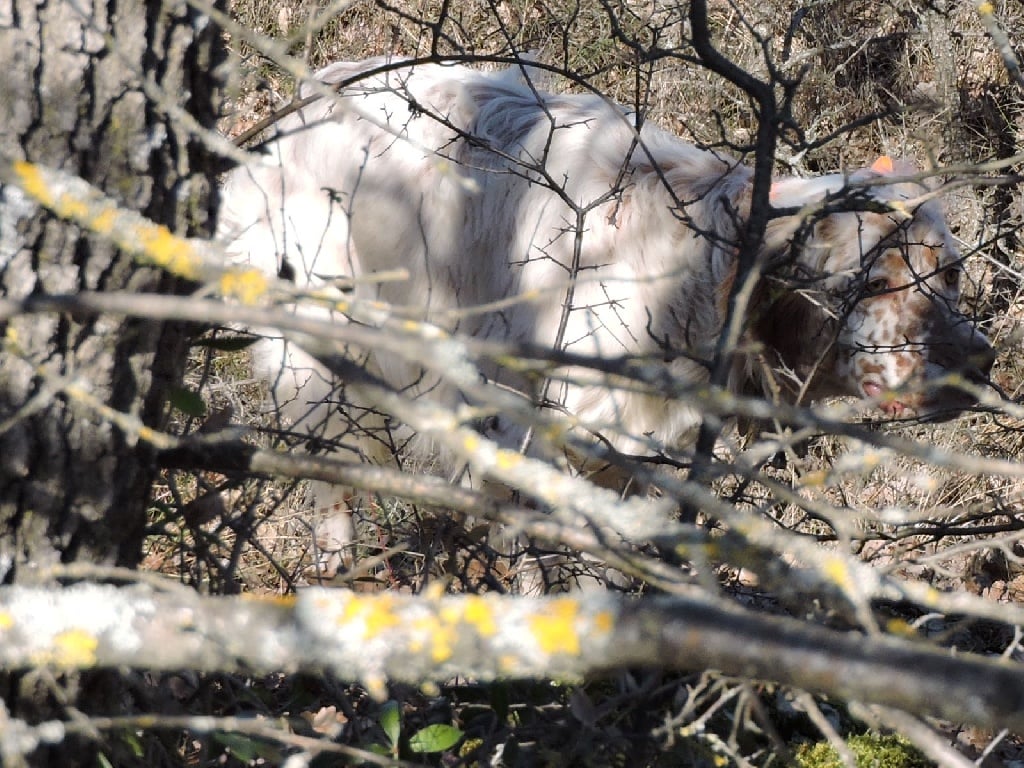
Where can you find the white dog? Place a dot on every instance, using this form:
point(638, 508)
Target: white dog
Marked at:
point(483, 188)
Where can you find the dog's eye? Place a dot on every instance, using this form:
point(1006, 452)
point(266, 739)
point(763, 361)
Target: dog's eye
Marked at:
point(877, 285)
point(951, 277)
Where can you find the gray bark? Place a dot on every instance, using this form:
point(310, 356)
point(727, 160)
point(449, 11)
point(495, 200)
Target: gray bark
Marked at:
point(71, 486)
point(97, 90)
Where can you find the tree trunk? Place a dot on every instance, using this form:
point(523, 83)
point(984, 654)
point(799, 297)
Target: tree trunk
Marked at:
point(71, 488)
point(94, 89)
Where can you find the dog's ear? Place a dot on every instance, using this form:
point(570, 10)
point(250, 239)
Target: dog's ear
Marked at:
point(781, 322)
point(797, 193)
point(795, 334)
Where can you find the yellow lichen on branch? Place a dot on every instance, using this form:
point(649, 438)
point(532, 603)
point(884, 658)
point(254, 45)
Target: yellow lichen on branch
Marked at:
point(74, 648)
point(30, 178)
point(508, 637)
point(248, 285)
point(73, 199)
point(367, 617)
point(161, 247)
point(555, 628)
point(479, 614)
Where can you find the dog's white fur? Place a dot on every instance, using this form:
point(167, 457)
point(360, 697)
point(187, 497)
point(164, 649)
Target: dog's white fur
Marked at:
point(483, 187)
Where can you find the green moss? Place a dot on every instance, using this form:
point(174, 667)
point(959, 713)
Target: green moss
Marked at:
point(871, 751)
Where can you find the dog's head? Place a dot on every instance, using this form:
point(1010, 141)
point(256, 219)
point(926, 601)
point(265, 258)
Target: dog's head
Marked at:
point(870, 304)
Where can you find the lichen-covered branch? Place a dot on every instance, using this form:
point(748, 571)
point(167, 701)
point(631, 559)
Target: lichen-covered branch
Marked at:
point(431, 637)
point(74, 199)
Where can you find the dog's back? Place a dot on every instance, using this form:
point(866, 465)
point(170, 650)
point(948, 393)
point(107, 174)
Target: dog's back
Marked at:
point(486, 190)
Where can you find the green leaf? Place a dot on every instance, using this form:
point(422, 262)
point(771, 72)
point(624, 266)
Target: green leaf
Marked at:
point(435, 738)
point(187, 401)
point(391, 721)
point(226, 343)
point(134, 743)
point(245, 748)
point(103, 761)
